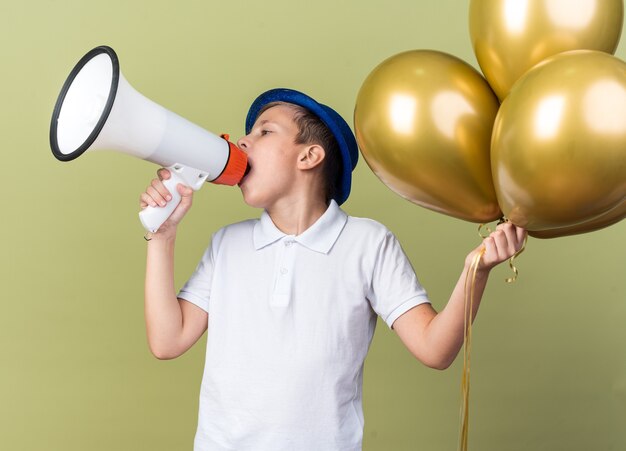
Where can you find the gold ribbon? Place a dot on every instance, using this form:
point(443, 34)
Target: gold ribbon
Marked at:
point(512, 266)
point(470, 282)
point(469, 288)
point(486, 228)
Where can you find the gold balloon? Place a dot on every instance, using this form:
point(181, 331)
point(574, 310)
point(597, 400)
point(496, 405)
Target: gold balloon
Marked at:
point(612, 217)
point(511, 36)
point(423, 121)
point(559, 143)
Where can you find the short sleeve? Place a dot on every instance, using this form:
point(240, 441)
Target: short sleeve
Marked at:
point(394, 287)
point(197, 289)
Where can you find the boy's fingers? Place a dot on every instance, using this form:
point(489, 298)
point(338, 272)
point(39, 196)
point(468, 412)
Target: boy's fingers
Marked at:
point(501, 244)
point(511, 238)
point(184, 190)
point(145, 200)
point(156, 196)
point(163, 174)
point(514, 236)
point(521, 234)
point(160, 187)
point(490, 254)
point(186, 195)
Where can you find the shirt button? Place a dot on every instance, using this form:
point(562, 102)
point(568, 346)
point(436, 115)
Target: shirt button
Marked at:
point(283, 271)
point(288, 243)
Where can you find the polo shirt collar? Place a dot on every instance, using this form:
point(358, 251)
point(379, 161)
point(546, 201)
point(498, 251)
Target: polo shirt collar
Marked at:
point(320, 237)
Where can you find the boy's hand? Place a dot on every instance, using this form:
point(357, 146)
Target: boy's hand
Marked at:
point(157, 195)
point(499, 246)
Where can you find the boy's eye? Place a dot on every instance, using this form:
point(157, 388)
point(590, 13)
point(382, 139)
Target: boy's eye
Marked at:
point(265, 132)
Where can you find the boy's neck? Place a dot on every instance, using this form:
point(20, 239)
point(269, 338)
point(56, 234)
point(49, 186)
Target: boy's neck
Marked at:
point(295, 216)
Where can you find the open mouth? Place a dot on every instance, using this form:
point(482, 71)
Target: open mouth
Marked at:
point(245, 174)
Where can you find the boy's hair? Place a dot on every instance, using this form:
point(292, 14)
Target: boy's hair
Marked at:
point(311, 130)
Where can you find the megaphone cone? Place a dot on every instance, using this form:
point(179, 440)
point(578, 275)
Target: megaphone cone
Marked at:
point(97, 109)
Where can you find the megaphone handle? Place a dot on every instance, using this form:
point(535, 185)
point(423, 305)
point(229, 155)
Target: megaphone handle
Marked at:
point(153, 217)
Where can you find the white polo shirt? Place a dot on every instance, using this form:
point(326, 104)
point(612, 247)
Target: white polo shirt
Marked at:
point(291, 319)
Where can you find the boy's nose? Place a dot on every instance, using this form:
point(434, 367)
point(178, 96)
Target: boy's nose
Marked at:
point(242, 143)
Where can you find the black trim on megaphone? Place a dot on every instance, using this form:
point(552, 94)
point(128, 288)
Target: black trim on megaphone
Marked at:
point(105, 114)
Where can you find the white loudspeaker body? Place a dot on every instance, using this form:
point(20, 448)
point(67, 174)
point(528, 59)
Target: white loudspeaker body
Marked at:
point(97, 109)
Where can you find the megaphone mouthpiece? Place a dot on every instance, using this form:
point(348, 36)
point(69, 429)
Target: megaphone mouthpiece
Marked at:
point(236, 167)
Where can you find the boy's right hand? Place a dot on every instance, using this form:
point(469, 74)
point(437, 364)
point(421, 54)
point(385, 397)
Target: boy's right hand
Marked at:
point(157, 195)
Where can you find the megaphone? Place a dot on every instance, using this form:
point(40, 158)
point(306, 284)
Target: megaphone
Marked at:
point(97, 109)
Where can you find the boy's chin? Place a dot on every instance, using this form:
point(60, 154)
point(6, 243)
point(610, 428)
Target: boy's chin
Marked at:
point(251, 200)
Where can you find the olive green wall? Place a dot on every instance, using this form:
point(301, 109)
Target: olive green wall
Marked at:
point(549, 354)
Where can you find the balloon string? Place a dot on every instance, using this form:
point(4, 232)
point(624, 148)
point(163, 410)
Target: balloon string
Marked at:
point(485, 227)
point(470, 284)
point(469, 289)
point(512, 259)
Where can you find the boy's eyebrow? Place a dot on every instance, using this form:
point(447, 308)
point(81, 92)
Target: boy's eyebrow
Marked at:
point(266, 121)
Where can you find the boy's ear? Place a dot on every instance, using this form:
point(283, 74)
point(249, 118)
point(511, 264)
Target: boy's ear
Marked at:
point(311, 156)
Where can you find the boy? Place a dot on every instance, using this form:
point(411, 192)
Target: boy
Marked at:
point(290, 300)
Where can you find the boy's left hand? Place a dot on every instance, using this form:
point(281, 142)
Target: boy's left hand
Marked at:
point(500, 245)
